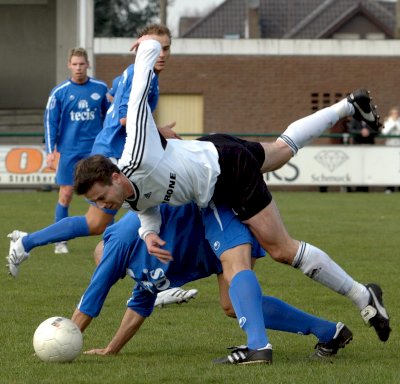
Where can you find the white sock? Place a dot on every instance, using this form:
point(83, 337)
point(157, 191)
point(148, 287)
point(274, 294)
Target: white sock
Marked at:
point(307, 129)
point(317, 265)
point(359, 295)
point(343, 108)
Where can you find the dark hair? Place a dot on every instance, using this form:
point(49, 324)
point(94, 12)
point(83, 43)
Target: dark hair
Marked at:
point(155, 29)
point(91, 170)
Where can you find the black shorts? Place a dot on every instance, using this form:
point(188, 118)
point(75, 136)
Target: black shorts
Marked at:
point(241, 183)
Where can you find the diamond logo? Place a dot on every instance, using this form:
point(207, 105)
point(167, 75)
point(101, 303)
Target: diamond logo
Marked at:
point(331, 159)
point(95, 96)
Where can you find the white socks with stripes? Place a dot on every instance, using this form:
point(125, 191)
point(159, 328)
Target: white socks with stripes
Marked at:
point(317, 265)
point(307, 129)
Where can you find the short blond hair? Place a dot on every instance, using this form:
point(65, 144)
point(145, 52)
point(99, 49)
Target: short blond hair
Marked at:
point(156, 29)
point(79, 52)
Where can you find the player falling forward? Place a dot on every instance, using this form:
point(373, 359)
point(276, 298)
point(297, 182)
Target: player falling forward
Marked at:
point(148, 164)
point(227, 170)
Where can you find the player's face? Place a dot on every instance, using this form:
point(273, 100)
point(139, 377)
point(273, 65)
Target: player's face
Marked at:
point(107, 196)
point(78, 67)
point(165, 42)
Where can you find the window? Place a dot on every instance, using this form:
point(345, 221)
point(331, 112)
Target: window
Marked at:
point(325, 99)
point(186, 110)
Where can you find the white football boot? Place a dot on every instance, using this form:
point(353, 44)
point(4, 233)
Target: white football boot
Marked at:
point(174, 296)
point(16, 254)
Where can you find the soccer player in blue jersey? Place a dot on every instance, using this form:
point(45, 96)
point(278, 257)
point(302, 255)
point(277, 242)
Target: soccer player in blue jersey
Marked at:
point(126, 255)
point(113, 89)
point(74, 116)
point(110, 143)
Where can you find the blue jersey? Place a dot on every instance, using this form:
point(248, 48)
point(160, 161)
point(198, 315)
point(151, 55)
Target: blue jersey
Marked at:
point(114, 86)
point(74, 116)
point(126, 254)
point(111, 140)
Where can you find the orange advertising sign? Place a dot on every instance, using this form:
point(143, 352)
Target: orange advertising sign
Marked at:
point(24, 165)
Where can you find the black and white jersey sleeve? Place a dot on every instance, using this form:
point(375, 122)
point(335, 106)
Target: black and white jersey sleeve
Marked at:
point(172, 171)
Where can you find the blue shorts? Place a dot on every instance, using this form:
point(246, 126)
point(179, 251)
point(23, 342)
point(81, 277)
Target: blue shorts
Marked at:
point(223, 231)
point(66, 167)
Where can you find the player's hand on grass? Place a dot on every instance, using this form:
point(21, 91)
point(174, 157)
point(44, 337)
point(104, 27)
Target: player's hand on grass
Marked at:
point(167, 131)
point(98, 351)
point(154, 244)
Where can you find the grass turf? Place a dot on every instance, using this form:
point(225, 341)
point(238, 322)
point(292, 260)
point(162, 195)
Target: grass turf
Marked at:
point(177, 343)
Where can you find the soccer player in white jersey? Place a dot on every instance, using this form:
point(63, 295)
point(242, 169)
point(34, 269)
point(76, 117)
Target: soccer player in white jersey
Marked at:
point(227, 170)
point(74, 116)
point(125, 254)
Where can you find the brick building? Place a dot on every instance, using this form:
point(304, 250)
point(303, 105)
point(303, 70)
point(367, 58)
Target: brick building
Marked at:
point(255, 66)
point(274, 83)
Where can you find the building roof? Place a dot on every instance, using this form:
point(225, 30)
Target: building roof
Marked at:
point(297, 19)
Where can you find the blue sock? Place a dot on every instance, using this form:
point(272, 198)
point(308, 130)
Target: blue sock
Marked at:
point(60, 212)
point(63, 230)
point(281, 316)
point(246, 297)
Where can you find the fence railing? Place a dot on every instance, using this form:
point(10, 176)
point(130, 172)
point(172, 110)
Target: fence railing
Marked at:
point(344, 136)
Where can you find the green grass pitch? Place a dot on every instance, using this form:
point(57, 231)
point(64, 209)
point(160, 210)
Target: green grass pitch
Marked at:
point(177, 343)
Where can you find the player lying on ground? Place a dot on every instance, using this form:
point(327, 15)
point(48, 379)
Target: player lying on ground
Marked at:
point(221, 169)
point(183, 230)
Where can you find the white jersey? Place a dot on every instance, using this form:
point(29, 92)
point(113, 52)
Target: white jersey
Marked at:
point(173, 171)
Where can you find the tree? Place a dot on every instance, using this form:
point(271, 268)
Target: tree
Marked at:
point(124, 18)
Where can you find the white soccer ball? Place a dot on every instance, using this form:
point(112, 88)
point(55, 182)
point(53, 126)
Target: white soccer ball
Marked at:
point(57, 339)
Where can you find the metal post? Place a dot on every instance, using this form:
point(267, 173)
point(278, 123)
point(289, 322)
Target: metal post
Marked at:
point(163, 12)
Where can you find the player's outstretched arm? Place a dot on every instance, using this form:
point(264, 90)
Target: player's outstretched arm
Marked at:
point(130, 324)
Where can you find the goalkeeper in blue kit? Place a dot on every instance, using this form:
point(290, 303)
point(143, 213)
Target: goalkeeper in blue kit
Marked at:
point(125, 254)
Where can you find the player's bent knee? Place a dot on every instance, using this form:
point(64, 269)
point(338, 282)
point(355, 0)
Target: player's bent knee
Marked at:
point(96, 228)
point(97, 220)
point(280, 256)
point(65, 196)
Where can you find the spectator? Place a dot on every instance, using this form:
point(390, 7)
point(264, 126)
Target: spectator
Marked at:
point(361, 134)
point(392, 127)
